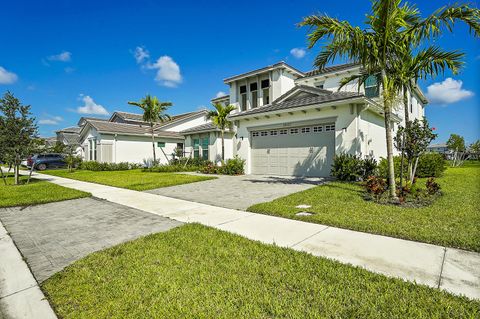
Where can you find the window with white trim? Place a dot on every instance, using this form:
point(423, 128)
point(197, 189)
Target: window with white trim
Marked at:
point(294, 131)
point(329, 127)
point(283, 132)
point(263, 133)
point(255, 134)
point(274, 133)
point(305, 130)
point(317, 129)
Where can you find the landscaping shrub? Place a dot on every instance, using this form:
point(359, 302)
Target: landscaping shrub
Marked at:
point(431, 165)
point(375, 186)
point(350, 168)
point(97, 166)
point(234, 166)
point(383, 167)
point(172, 168)
point(433, 187)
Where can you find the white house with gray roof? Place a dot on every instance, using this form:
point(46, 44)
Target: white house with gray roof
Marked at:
point(288, 122)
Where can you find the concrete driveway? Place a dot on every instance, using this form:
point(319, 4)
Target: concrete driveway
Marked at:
point(52, 236)
point(239, 192)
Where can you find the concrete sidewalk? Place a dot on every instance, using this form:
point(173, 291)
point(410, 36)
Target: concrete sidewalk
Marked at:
point(20, 295)
point(454, 270)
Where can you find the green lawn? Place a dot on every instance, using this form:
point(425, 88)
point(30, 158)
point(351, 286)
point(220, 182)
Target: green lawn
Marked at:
point(452, 220)
point(198, 272)
point(132, 179)
point(36, 192)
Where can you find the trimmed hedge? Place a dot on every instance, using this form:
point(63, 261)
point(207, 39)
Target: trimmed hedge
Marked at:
point(97, 166)
point(351, 168)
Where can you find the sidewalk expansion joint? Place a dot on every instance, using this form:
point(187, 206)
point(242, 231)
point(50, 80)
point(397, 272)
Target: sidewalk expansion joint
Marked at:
point(441, 268)
point(301, 241)
point(19, 291)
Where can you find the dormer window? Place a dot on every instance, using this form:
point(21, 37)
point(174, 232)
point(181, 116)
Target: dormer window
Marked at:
point(243, 97)
point(371, 86)
point(253, 90)
point(265, 86)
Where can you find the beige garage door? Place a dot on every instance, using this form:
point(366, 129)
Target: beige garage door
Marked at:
point(297, 151)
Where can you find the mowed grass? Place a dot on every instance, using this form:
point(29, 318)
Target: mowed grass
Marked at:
point(132, 179)
point(452, 220)
point(36, 192)
point(198, 272)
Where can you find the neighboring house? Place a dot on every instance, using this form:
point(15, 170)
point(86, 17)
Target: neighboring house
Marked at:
point(125, 137)
point(292, 123)
point(441, 148)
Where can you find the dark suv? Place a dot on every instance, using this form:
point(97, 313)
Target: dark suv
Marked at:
point(43, 161)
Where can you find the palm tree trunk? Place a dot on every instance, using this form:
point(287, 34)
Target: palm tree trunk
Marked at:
point(405, 105)
point(153, 145)
point(223, 146)
point(391, 167)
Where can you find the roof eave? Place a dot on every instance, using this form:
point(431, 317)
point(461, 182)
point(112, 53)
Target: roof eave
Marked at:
point(272, 67)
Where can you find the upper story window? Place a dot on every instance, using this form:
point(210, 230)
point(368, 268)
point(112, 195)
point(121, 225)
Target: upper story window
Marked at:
point(253, 90)
point(371, 86)
point(243, 97)
point(265, 86)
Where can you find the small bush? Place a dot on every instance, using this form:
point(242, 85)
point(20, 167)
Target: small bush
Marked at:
point(350, 168)
point(234, 166)
point(210, 168)
point(97, 166)
point(430, 165)
point(375, 186)
point(347, 167)
point(383, 167)
point(172, 168)
point(433, 187)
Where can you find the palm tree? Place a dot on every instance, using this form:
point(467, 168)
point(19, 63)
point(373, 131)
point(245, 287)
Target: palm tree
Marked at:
point(219, 119)
point(392, 27)
point(153, 112)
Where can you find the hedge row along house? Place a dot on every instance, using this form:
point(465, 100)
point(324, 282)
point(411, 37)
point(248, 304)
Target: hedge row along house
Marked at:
point(286, 122)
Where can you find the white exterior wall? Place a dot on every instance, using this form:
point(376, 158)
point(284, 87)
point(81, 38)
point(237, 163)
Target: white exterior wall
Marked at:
point(372, 135)
point(186, 124)
point(345, 133)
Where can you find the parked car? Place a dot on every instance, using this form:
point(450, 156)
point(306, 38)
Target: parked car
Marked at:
point(43, 161)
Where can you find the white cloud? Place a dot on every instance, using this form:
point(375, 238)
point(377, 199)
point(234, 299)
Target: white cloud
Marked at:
point(220, 94)
point(7, 77)
point(168, 71)
point(141, 54)
point(50, 120)
point(298, 52)
point(65, 56)
point(447, 92)
point(90, 107)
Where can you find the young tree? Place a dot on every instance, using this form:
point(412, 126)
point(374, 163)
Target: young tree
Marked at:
point(219, 119)
point(391, 27)
point(18, 131)
point(474, 149)
point(413, 141)
point(153, 112)
point(456, 144)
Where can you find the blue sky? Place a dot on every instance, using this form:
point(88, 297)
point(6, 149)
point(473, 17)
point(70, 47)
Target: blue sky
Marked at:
point(63, 57)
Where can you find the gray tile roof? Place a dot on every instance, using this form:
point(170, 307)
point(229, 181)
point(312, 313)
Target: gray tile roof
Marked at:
point(280, 64)
point(129, 116)
point(330, 69)
point(72, 129)
point(201, 128)
point(71, 138)
point(300, 102)
point(305, 88)
point(129, 129)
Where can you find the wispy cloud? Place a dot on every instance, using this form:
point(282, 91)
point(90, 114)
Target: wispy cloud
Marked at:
point(64, 56)
point(168, 71)
point(298, 52)
point(50, 120)
point(141, 54)
point(447, 92)
point(90, 107)
point(7, 77)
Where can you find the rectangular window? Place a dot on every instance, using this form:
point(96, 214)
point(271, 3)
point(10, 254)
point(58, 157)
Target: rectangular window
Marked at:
point(254, 99)
point(196, 148)
point(283, 132)
point(255, 134)
point(330, 127)
point(371, 86)
point(265, 84)
point(161, 144)
point(317, 129)
point(243, 98)
point(266, 96)
point(253, 87)
point(205, 142)
point(273, 133)
point(93, 149)
point(263, 133)
point(243, 89)
point(294, 131)
point(305, 130)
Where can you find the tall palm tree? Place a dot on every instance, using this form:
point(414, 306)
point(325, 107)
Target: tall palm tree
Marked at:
point(153, 112)
point(219, 119)
point(391, 28)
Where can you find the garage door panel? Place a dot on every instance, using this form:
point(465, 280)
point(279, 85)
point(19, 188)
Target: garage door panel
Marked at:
point(302, 154)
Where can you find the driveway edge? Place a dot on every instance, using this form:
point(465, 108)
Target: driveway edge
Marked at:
point(20, 295)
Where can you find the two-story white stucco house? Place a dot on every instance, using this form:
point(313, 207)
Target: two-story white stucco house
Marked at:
point(288, 122)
